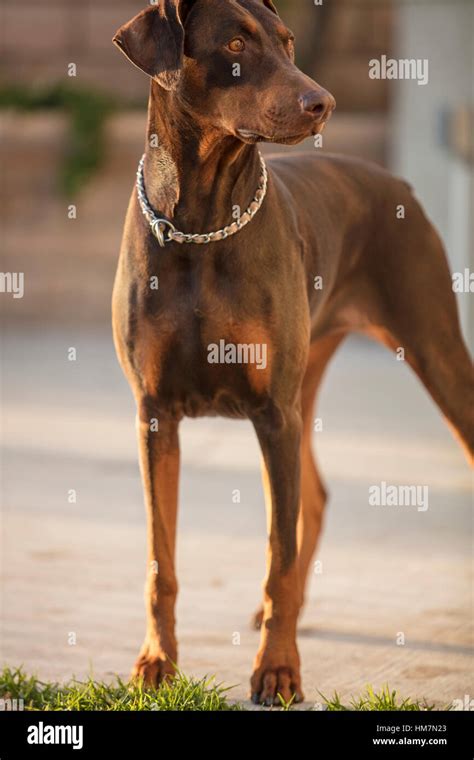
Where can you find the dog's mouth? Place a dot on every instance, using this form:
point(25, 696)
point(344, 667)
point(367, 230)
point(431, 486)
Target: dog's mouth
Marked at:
point(251, 137)
point(248, 136)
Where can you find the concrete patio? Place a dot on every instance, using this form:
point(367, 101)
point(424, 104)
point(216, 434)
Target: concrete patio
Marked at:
point(388, 573)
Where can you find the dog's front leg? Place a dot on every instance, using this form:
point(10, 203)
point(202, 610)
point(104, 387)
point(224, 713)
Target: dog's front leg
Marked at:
point(159, 464)
point(277, 667)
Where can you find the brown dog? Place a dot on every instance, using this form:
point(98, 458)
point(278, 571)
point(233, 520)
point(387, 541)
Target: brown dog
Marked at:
point(223, 79)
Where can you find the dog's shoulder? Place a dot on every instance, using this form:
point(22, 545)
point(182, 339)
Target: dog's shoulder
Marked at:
point(324, 162)
point(337, 169)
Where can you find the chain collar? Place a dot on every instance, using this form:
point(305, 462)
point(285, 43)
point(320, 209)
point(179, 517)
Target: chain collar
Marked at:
point(160, 225)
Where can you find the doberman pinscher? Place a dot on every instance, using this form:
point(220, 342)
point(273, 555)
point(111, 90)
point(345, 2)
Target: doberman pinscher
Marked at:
point(222, 256)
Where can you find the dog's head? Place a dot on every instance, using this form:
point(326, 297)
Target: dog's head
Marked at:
point(230, 64)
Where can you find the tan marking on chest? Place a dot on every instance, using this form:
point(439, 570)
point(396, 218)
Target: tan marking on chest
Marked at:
point(152, 346)
point(260, 352)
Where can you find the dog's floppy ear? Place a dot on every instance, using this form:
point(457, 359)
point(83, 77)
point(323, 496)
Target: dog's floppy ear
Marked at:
point(270, 6)
point(154, 42)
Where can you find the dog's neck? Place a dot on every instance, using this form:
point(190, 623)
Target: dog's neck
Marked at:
point(194, 175)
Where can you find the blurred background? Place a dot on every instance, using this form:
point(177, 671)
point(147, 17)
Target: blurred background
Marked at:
point(78, 565)
point(75, 139)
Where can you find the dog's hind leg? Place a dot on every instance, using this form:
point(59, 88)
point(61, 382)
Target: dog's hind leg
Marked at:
point(419, 315)
point(313, 492)
point(159, 464)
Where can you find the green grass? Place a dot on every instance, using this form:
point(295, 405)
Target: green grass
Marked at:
point(383, 701)
point(182, 693)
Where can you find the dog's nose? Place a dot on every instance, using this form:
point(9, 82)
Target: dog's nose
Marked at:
point(319, 103)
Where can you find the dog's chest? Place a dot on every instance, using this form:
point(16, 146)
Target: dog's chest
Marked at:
point(202, 341)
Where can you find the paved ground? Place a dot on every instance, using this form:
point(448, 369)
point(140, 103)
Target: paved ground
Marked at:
point(79, 568)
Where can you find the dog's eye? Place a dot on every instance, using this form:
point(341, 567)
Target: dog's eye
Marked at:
point(236, 45)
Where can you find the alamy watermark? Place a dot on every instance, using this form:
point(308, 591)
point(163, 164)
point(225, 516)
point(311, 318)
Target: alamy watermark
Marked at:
point(43, 733)
point(385, 495)
point(12, 282)
point(467, 704)
point(463, 282)
point(7, 704)
point(403, 68)
point(238, 353)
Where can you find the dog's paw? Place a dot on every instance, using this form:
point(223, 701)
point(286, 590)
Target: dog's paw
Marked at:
point(257, 619)
point(276, 685)
point(152, 668)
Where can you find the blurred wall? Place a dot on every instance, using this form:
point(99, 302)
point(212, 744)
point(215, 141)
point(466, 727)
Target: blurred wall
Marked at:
point(40, 38)
point(422, 146)
point(69, 264)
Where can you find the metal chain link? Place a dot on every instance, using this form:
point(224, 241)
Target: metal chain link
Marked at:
point(159, 225)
